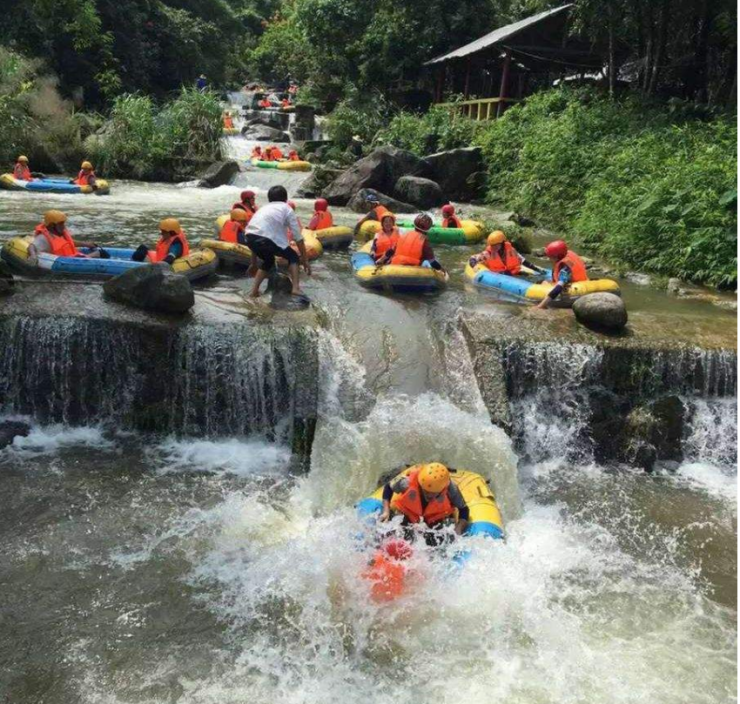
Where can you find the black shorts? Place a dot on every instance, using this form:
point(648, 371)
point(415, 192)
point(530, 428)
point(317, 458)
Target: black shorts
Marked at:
point(266, 250)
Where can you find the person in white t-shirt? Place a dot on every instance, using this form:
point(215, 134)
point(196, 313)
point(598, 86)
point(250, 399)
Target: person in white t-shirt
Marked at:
point(267, 237)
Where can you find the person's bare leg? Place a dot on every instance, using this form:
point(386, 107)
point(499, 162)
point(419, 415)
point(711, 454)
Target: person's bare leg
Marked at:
point(294, 279)
point(259, 277)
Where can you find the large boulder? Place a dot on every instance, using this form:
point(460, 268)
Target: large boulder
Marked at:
point(10, 429)
point(154, 287)
point(379, 170)
point(320, 178)
point(601, 310)
point(419, 191)
point(265, 133)
point(452, 170)
point(7, 283)
point(222, 173)
point(358, 204)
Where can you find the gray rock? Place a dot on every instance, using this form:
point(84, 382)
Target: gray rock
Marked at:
point(725, 303)
point(10, 429)
point(222, 173)
point(419, 191)
point(673, 287)
point(153, 287)
point(452, 170)
point(276, 122)
point(636, 277)
point(7, 282)
point(287, 301)
point(379, 170)
point(602, 310)
point(315, 184)
point(265, 133)
point(358, 204)
point(522, 220)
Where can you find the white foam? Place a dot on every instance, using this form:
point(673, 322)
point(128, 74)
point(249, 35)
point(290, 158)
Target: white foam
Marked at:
point(716, 481)
point(230, 456)
point(51, 438)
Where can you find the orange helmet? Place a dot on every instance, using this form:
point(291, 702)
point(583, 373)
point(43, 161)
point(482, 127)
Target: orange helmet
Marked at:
point(434, 477)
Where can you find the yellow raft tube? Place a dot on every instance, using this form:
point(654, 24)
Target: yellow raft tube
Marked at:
point(234, 253)
point(485, 517)
point(523, 290)
point(337, 237)
point(396, 279)
point(282, 165)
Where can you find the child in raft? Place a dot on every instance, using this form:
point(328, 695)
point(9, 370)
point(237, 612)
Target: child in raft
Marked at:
point(386, 238)
point(449, 219)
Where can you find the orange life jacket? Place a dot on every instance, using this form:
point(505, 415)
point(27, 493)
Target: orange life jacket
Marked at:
point(83, 179)
point(409, 504)
point(245, 208)
point(265, 103)
point(228, 122)
point(276, 154)
point(294, 157)
point(257, 154)
point(409, 249)
point(452, 221)
point(61, 245)
point(380, 211)
point(285, 103)
point(267, 156)
point(324, 220)
point(384, 242)
point(509, 263)
point(230, 231)
point(387, 577)
point(164, 244)
point(575, 264)
point(21, 172)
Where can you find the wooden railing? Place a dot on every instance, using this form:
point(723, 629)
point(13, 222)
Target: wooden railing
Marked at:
point(482, 109)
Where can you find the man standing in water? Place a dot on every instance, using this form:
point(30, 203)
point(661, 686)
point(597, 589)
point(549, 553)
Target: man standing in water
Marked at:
point(267, 237)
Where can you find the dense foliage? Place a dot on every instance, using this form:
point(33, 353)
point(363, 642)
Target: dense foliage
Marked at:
point(646, 187)
point(145, 141)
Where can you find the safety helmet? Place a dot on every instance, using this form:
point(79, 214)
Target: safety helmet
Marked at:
point(321, 205)
point(448, 209)
point(86, 165)
point(23, 159)
point(423, 223)
point(247, 195)
point(397, 549)
point(388, 216)
point(557, 249)
point(372, 198)
point(291, 204)
point(239, 215)
point(496, 237)
point(434, 477)
point(169, 225)
point(54, 217)
point(258, 148)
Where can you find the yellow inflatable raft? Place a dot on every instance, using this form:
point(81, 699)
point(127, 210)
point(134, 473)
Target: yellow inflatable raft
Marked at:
point(338, 237)
point(524, 290)
point(485, 517)
point(471, 232)
point(396, 279)
point(282, 165)
point(230, 131)
point(234, 253)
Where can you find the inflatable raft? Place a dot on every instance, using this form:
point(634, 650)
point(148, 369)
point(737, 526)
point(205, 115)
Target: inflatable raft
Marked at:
point(234, 253)
point(470, 232)
point(396, 279)
point(523, 290)
point(231, 131)
point(282, 165)
point(485, 517)
point(338, 237)
point(52, 185)
point(198, 264)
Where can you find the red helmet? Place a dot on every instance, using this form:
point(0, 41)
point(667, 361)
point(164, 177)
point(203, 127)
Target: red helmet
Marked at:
point(397, 549)
point(321, 205)
point(247, 195)
point(291, 204)
point(448, 210)
point(557, 249)
point(423, 223)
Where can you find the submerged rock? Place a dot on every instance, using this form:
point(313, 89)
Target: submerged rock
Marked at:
point(603, 310)
point(221, 173)
point(379, 170)
point(7, 282)
point(421, 192)
point(358, 204)
point(154, 287)
point(287, 301)
point(11, 429)
point(265, 133)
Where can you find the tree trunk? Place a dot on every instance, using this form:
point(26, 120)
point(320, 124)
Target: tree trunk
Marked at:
point(612, 67)
point(660, 51)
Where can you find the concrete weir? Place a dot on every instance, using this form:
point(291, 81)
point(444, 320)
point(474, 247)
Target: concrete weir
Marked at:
point(229, 368)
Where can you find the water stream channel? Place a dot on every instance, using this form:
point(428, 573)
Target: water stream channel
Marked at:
point(183, 559)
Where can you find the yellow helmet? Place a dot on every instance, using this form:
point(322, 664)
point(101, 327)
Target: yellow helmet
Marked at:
point(496, 237)
point(86, 165)
point(23, 159)
point(169, 225)
point(434, 477)
point(239, 215)
point(54, 217)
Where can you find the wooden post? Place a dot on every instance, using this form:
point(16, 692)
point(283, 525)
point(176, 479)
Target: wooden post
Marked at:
point(467, 79)
point(504, 83)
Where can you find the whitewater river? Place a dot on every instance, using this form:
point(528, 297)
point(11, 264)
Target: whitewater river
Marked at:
point(156, 569)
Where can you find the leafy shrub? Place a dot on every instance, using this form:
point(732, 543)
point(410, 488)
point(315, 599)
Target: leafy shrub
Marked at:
point(359, 115)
